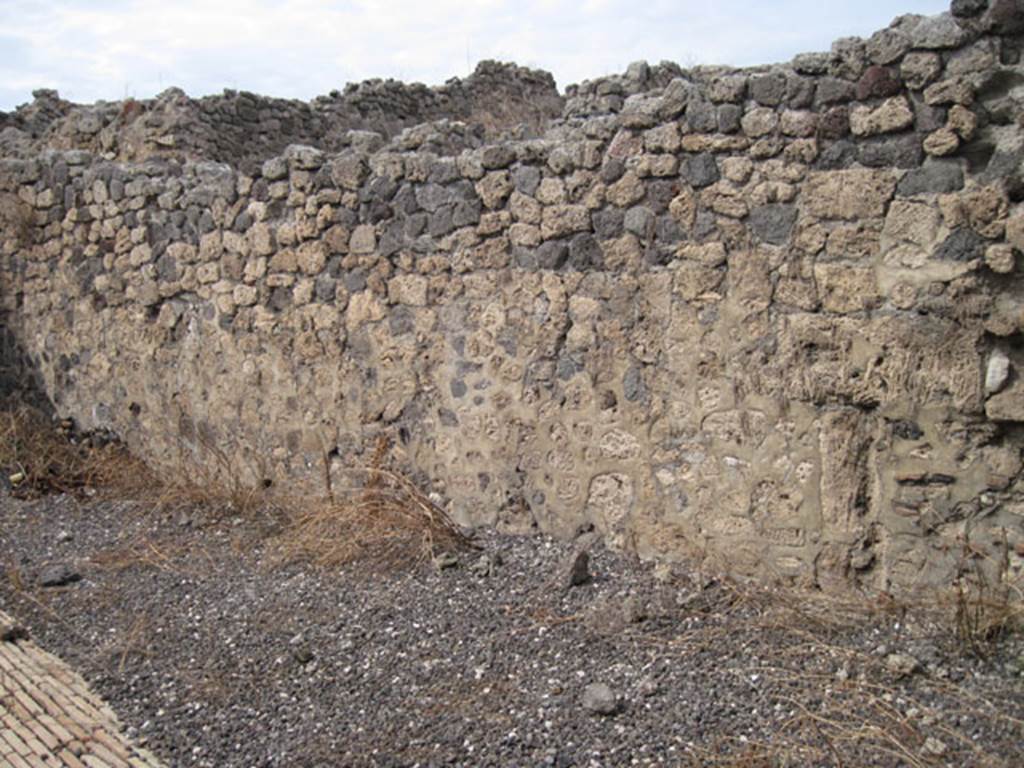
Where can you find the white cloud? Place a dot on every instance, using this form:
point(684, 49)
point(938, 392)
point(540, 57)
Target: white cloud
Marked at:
point(108, 49)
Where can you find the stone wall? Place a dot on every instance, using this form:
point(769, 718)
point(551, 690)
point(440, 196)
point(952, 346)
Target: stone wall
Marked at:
point(243, 129)
point(770, 315)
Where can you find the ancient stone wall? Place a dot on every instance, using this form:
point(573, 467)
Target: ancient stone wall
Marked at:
point(243, 129)
point(771, 315)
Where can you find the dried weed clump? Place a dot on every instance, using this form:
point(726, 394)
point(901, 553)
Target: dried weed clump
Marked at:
point(380, 516)
point(984, 603)
point(39, 457)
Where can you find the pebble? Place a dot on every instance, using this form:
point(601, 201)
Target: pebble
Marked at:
point(58, 575)
point(599, 699)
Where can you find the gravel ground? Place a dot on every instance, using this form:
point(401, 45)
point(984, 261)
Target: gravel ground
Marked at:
point(216, 653)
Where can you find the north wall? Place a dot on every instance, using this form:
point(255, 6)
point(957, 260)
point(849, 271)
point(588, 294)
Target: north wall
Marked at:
point(770, 316)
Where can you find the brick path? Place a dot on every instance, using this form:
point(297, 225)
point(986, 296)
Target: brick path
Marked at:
point(50, 718)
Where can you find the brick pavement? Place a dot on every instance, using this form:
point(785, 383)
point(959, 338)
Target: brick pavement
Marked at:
point(50, 718)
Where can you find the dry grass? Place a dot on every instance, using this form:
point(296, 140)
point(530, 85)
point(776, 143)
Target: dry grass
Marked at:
point(985, 606)
point(208, 478)
point(38, 458)
point(380, 516)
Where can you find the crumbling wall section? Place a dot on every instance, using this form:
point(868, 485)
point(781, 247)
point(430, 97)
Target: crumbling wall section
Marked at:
point(773, 315)
point(244, 129)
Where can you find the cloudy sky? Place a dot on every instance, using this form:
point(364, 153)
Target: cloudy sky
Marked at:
point(112, 49)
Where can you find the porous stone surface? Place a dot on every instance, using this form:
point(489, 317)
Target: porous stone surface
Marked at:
point(689, 312)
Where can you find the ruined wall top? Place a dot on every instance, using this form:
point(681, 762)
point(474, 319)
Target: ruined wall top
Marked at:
point(243, 129)
point(502, 101)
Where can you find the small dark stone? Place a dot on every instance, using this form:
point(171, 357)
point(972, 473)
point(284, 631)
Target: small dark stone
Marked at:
point(907, 430)
point(585, 252)
point(391, 240)
point(242, 222)
point(401, 321)
point(704, 225)
point(355, 281)
point(800, 92)
point(965, 9)
point(566, 368)
point(432, 196)
point(702, 116)
point(441, 222)
point(1005, 17)
point(608, 223)
point(524, 258)
point(497, 156)
point(467, 212)
point(772, 223)
point(167, 268)
point(926, 117)
point(832, 90)
point(729, 118)
point(280, 298)
point(458, 388)
point(599, 699)
point(415, 225)
point(962, 245)
point(325, 288)
point(768, 89)
point(660, 194)
point(834, 124)
point(934, 177)
point(701, 170)
point(877, 83)
point(577, 570)
point(895, 152)
point(303, 655)
point(377, 211)
point(526, 179)
point(639, 220)
point(611, 171)
point(633, 384)
point(552, 254)
point(448, 417)
point(58, 575)
point(11, 632)
point(667, 231)
point(836, 156)
point(444, 172)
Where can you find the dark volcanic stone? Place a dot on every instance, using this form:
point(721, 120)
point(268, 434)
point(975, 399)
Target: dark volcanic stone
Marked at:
point(878, 82)
point(58, 575)
point(585, 252)
point(608, 223)
point(633, 384)
point(772, 223)
point(701, 170)
point(729, 118)
point(768, 89)
point(967, 8)
point(702, 116)
point(836, 156)
point(1005, 17)
point(834, 124)
point(552, 254)
point(962, 245)
point(895, 152)
point(934, 177)
point(832, 90)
